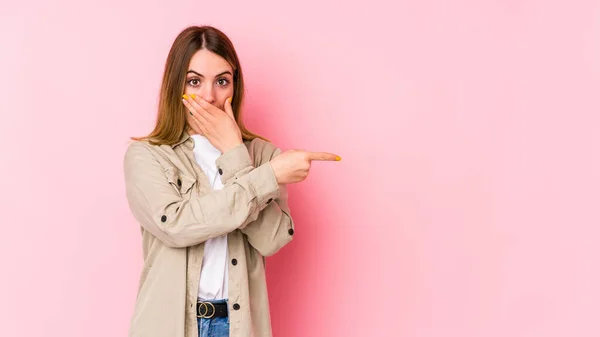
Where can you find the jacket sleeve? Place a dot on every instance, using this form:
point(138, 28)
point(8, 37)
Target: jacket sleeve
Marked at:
point(273, 228)
point(161, 210)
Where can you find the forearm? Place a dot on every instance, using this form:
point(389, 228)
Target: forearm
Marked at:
point(273, 229)
point(180, 222)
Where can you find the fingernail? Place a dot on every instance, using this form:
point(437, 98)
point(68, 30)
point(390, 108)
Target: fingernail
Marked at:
point(229, 99)
point(185, 96)
point(338, 158)
point(193, 96)
point(191, 113)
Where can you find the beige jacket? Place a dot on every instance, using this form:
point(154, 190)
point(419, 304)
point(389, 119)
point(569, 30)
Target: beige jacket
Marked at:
point(171, 198)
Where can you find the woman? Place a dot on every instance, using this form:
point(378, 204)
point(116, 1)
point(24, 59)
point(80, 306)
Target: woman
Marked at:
point(210, 197)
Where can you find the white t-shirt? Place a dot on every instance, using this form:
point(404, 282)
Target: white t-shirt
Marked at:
point(214, 275)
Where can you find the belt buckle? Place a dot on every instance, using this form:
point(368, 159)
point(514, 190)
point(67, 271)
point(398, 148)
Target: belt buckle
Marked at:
point(205, 305)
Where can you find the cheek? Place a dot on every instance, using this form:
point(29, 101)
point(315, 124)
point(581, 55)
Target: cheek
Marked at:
point(227, 91)
point(224, 94)
point(191, 90)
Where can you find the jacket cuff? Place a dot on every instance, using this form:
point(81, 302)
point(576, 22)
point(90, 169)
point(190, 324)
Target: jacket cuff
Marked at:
point(233, 161)
point(264, 184)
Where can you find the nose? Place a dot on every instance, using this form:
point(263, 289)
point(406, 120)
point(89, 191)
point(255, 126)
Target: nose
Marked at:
point(207, 94)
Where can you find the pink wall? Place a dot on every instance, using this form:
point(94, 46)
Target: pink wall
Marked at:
point(466, 203)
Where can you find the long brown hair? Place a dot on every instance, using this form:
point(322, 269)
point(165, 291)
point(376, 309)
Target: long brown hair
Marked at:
point(171, 119)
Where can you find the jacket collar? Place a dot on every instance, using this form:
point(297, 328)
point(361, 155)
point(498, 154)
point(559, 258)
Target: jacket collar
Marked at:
point(184, 138)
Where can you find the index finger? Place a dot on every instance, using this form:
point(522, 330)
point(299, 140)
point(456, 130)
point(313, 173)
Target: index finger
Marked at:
point(207, 106)
point(190, 102)
point(323, 156)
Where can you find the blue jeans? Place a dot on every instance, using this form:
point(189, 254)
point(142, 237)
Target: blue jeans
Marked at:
point(214, 327)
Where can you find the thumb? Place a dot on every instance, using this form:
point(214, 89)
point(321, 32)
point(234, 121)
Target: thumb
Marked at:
point(228, 108)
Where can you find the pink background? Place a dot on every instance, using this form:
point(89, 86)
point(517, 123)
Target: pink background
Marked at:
point(466, 203)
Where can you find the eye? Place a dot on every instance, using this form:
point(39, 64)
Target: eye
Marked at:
point(194, 82)
point(223, 82)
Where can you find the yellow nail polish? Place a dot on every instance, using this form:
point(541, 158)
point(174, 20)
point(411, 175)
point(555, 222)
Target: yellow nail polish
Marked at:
point(338, 158)
point(193, 96)
point(185, 96)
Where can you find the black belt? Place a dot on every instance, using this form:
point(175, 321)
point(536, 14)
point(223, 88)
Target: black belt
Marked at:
point(210, 310)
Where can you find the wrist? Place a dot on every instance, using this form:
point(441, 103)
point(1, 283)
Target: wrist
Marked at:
point(275, 172)
point(230, 146)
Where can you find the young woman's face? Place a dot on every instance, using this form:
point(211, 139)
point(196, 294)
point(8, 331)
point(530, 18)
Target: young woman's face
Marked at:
point(210, 77)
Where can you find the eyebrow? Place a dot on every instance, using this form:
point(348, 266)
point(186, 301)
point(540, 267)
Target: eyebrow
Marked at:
point(223, 73)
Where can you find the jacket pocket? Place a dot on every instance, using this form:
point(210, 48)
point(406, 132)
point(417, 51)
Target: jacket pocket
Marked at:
point(180, 181)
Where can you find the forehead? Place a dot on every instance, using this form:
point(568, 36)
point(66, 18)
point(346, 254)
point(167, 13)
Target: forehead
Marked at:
point(208, 63)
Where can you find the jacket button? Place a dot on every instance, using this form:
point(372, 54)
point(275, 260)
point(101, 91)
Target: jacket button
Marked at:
point(163, 218)
point(220, 172)
point(234, 262)
point(269, 201)
point(236, 307)
point(291, 231)
point(179, 182)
